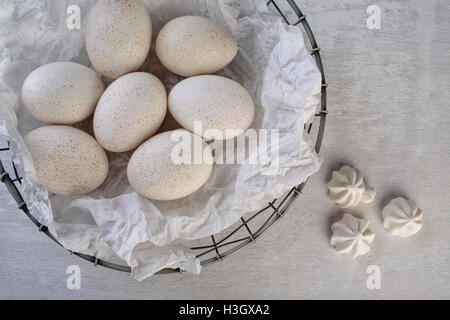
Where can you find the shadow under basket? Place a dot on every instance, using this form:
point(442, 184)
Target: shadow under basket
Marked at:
point(249, 228)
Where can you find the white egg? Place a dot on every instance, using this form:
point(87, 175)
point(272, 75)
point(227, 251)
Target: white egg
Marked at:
point(191, 45)
point(156, 172)
point(118, 36)
point(222, 106)
point(62, 92)
point(131, 110)
point(68, 161)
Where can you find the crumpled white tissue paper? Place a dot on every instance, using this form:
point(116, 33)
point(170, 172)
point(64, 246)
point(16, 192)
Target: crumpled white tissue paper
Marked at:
point(116, 224)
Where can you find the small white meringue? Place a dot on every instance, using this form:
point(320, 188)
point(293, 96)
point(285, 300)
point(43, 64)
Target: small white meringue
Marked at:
point(402, 217)
point(352, 236)
point(347, 188)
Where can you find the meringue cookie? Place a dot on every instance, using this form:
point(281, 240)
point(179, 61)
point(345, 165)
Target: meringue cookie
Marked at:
point(347, 188)
point(402, 217)
point(352, 236)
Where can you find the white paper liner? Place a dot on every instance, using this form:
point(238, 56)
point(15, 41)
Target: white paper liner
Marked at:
point(116, 224)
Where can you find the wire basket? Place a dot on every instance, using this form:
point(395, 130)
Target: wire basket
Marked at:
point(222, 245)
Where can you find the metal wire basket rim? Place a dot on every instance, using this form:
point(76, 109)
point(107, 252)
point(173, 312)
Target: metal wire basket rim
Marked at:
point(279, 211)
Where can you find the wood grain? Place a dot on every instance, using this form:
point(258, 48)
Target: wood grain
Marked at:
point(389, 116)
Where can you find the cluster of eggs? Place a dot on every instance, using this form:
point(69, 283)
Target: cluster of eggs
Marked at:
point(128, 113)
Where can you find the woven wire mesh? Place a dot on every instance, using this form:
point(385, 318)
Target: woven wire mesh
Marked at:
point(248, 229)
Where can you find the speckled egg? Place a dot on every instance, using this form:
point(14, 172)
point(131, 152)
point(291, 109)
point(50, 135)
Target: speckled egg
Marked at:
point(155, 172)
point(118, 36)
point(131, 110)
point(192, 45)
point(67, 160)
point(222, 106)
point(62, 92)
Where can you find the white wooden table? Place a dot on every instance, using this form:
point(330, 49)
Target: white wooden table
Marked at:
point(389, 115)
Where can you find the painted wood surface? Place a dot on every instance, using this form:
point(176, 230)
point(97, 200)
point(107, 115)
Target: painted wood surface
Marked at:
point(389, 116)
